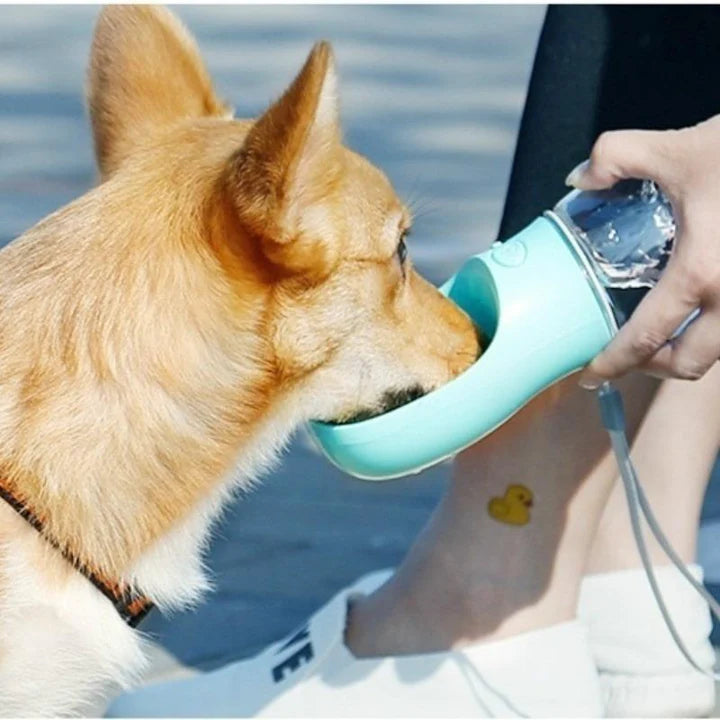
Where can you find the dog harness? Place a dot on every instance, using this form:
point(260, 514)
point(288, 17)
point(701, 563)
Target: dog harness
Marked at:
point(130, 605)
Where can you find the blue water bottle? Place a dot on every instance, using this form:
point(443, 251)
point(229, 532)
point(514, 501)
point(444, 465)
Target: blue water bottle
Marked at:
point(549, 299)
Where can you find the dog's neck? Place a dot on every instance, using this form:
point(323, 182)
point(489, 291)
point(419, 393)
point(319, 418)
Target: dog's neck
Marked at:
point(145, 386)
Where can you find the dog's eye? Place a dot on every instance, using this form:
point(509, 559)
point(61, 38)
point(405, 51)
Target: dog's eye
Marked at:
point(402, 248)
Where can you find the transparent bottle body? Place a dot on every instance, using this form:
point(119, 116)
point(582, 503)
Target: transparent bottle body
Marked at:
point(626, 234)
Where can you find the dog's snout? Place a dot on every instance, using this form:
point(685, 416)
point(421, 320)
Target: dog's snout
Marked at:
point(470, 344)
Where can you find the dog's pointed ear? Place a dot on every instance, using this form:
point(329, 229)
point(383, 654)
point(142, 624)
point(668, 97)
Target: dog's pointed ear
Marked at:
point(145, 73)
point(288, 166)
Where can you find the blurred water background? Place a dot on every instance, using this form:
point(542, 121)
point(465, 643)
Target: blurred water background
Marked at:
point(433, 94)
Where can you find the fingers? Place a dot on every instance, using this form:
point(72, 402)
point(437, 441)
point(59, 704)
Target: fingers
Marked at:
point(691, 355)
point(655, 320)
point(625, 154)
point(684, 163)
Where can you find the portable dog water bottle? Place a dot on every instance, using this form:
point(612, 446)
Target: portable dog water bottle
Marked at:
point(549, 299)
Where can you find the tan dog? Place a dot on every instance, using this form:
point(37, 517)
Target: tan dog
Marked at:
point(162, 335)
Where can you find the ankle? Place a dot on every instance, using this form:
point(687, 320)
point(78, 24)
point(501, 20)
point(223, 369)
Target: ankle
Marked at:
point(426, 612)
point(400, 619)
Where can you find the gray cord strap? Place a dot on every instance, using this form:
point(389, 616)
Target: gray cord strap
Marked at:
point(613, 418)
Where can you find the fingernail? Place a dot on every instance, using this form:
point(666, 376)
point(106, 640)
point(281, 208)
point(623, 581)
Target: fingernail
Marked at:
point(576, 173)
point(589, 382)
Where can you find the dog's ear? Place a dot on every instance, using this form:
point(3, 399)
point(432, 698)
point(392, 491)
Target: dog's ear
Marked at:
point(287, 167)
point(145, 73)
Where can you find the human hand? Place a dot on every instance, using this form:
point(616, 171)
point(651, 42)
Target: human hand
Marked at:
point(686, 165)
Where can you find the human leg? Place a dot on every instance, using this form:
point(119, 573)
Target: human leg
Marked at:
point(642, 671)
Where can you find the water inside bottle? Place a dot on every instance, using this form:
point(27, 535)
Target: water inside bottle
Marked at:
point(627, 232)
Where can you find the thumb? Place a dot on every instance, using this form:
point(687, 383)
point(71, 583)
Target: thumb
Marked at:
point(622, 154)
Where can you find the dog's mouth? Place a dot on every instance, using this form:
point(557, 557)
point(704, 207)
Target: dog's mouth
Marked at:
point(391, 400)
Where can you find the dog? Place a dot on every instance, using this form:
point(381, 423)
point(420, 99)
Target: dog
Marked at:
point(162, 336)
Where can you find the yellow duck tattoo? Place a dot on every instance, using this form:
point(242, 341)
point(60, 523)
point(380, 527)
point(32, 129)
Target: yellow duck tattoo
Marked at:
point(514, 507)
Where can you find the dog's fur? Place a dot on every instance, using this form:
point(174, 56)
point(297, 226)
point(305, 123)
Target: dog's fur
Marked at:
point(225, 281)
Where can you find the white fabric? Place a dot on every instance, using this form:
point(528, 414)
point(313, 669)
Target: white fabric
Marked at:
point(642, 672)
point(545, 673)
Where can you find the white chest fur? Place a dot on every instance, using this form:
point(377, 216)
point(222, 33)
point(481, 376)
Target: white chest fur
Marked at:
point(62, 644)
